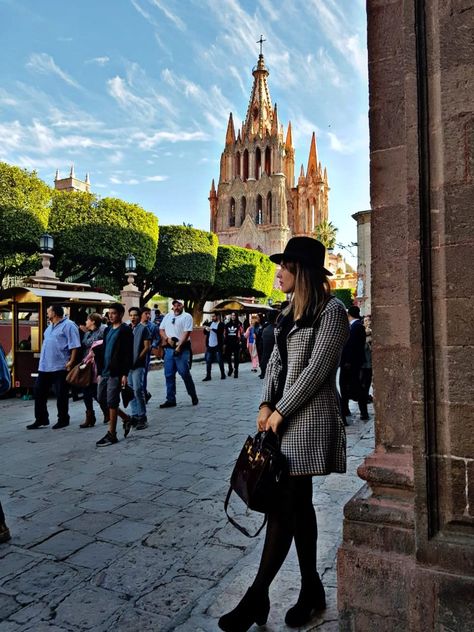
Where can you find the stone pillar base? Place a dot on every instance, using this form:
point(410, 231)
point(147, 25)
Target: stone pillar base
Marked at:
point(386, 592)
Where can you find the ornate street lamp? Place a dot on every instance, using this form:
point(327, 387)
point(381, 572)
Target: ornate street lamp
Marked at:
point(46, 243)
point(130, 293)
point(130, 264)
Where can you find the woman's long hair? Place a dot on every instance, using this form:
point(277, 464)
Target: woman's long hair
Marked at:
point(311, 292)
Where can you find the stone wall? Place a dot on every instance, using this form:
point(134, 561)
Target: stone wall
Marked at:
point(407, 558)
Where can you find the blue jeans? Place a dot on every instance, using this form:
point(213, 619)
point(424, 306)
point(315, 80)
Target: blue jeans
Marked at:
point(136, 379)
point(214, 354)
point(178, 364)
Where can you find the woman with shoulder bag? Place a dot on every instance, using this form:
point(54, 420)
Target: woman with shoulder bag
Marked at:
point(94, 332)
point(300, 404)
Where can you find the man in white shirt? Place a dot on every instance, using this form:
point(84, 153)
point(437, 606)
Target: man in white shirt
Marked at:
point(175, 331)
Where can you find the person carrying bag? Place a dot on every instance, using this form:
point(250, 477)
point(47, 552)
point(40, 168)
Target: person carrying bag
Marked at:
point(299, 404)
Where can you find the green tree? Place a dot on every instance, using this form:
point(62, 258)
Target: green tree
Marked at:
point(325, 232)
point(185, 266)
point(346, 295)
point(93, 236)
point(24, 211)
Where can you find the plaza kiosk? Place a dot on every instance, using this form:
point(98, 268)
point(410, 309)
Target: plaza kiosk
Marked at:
point(23, 319)
point(240, 307)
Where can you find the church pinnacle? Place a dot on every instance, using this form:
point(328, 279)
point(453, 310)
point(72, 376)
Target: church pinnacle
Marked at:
point(259, 118)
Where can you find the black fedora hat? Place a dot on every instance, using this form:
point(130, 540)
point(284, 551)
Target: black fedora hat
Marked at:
point(307, 250)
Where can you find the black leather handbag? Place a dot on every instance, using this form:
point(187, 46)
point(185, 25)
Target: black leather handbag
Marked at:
point(257, 476)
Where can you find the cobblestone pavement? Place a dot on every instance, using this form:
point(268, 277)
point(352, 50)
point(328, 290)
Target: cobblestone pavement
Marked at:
point(133, 537)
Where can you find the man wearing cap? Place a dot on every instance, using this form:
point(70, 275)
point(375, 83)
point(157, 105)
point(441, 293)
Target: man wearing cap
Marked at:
point(352, 359)
point(175, 331)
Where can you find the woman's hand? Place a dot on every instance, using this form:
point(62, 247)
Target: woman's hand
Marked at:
point(262, 417)
point(274, 421)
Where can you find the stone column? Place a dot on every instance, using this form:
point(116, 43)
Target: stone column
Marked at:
point(130, 294)
point(363, 295)
point(407, 558)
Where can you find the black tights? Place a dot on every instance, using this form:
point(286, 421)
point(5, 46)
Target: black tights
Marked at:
point(293, 518)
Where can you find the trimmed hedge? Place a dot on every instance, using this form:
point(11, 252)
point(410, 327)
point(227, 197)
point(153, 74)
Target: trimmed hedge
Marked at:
point(242, 272)
point(185, 262)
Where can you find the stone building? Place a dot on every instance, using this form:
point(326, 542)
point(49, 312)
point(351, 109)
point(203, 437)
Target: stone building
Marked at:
point(257, 204)
point(71, 183)
point(407, 558)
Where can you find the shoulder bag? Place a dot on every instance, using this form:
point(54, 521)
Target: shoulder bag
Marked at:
point(80, 375)
point(257, 475)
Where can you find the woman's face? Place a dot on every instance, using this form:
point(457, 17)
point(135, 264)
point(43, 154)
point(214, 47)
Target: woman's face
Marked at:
point(90, 325)
point(286, 279)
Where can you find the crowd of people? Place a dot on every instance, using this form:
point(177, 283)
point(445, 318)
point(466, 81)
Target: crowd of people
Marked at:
point(298, 350)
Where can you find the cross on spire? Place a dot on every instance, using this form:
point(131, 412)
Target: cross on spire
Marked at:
point(260, 41)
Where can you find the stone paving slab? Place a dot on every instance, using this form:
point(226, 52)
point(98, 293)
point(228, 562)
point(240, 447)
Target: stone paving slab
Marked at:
point(133, 537)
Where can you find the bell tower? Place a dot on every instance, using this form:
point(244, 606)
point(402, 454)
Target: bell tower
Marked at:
point(256, 202)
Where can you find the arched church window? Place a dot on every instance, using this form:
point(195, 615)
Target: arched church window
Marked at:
point(258, 163)
point(237, 164)
point(232, 212)
point(269, 208)
point(246, 165)
point(243, 209)
point(313, 214)
point(308, 216)
point(259, 210)
point(268, 161)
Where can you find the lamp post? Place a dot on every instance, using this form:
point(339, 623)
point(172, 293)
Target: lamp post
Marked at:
point(130, 293)
point(46, 244)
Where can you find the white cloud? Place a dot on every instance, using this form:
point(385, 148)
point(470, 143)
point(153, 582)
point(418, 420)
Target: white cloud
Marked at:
point(45, 64)
point(139, 106)
point(332, 21)
point(156, 178)
point(270, 10)
point(100, 61)
point(7, 99)
point(147, 141)
point(11, 136)
point(338, 145)
point(177, 21)
point(130, 181)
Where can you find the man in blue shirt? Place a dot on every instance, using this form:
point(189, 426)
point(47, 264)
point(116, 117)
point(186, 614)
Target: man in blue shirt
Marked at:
point(59, 353)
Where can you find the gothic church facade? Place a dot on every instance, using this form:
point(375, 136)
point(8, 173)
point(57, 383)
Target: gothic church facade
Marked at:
point(256, 204)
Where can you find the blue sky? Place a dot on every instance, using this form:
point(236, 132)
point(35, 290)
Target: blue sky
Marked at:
point(138, 93)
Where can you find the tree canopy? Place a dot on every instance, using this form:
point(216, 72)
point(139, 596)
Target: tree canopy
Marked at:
point(93, 236)
point(24, 212)
point(326, 232)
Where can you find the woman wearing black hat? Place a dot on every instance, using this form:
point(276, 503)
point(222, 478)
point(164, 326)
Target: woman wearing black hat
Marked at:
point(300, 403)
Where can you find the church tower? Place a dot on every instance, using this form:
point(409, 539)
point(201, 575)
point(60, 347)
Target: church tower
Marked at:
point(72, 183)
point(257, 204)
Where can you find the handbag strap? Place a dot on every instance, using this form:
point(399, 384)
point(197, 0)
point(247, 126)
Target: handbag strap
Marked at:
point(235, 523)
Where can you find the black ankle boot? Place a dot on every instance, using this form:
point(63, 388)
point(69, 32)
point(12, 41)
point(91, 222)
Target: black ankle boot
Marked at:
point(311, 600)
point(253, 608)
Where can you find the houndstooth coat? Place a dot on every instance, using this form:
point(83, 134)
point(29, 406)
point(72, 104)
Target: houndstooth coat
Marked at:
point(314, 439)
